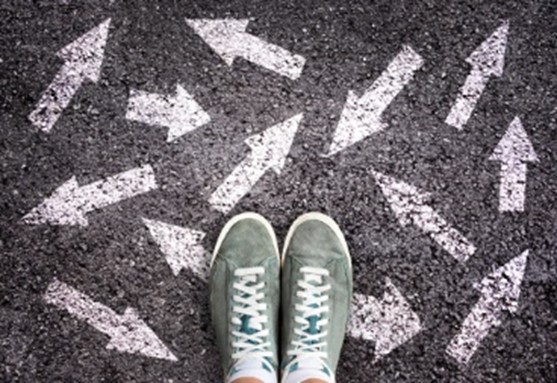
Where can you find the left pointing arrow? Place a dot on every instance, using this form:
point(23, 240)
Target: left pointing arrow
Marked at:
point(180, 113)
point(82, 60)
point(70, 202)
point(128, 332)
point(269, 150)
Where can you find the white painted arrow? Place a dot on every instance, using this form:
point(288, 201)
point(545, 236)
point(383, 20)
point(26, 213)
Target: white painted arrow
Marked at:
point(361, 116)
point(269, 150)
point(487, 61)
point(389, 322)
point(179, 113)
point(499, 292)
point(70, 202)
point(181, 246)
point(82, 60)
point(128, 333)
point(229, 39)
point(409, 206)
point(513, 151)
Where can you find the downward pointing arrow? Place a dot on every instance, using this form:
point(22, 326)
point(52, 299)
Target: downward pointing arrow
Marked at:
point(181, 246)
point(70, 202)
point(82, 60)
point(180, 113)
point(499, 292)
point(229, 39)
point(388, 322)
point(361, 116)
point(269, 150)
point(128, 333)
point(487, 61)
point(409, 206)
point(513, 151)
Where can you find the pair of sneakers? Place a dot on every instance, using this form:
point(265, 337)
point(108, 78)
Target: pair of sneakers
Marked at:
point(309, 287)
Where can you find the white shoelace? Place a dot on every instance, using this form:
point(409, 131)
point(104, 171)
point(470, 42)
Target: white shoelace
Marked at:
point(313, 290)
point(250, 312)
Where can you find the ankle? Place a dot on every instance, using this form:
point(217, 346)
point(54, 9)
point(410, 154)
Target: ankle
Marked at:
point(250, 380)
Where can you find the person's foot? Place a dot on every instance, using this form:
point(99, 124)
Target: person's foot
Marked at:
point(316, 295)
point(244, 283)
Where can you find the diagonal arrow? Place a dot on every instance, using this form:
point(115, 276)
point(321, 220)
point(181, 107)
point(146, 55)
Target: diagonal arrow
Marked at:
point(70, 202)
point(128, 332)
point(409, 206)
point(181, 246)
point(499, 292)
point(513, 151)
point(229, 39)
point(268, 150)
point(361, 116)
point(82, 60)
point(388, 322)
point(487, 61)
point(179, 113)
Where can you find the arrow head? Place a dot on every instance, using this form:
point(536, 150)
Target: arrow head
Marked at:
point(221, 35)
point(272, 146)
point(135, 337)
point(503, 285)
point(489, 57)
point(186, 115)
point(514, 145)
point(356, 123)
point(87, 52)
point(61, 208)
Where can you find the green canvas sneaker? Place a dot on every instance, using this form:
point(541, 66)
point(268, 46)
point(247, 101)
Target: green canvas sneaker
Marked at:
point(316, 296)
point(244, 283)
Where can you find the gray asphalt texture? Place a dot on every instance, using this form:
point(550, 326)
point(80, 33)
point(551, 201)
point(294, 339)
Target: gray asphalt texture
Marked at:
point(347, 44)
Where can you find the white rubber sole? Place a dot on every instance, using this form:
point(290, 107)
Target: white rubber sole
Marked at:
point(316, 216)
point(248, 215)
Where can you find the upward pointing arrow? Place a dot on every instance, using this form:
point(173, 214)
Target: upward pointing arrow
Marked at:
point(361, 116)
point(486, 61)
point(180, 113)
point(499, 292)
point(127, 332)
point(513, 151)
point(409, 206)
point(388, 322)
point(82, 60)
point(268, 150)
point(229, 39)
point(70, 202)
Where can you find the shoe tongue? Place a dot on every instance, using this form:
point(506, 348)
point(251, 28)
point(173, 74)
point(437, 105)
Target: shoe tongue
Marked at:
point(252, 368)
point(308, 368)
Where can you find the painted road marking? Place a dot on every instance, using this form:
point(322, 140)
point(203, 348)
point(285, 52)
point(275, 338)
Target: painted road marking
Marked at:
point(181, 247)
point(409, 206)
point(499, 292)
point(361, 116)
point(128, 332)
point(513, 151)
point(229, 39)
point(389, 322)
point(82, 60)
point(179, 113)
point(487, 61)
point(70, 202)
point(268, 150)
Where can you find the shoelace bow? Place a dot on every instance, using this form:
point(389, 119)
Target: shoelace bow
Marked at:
point(251, 337)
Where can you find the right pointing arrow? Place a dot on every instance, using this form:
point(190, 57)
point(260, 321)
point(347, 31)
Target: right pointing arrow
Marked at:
point(181, 246)
point(180, 113)
point(127, 332)
point(361, 115)
point(499, 292)
point(487, 61)
point(388, 322)
point(513, 151)
point(268, 150)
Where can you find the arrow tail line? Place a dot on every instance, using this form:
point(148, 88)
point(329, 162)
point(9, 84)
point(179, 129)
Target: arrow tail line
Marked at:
point(148, 108)
point(117, 188)
point(512, 190)
point(467, 99)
